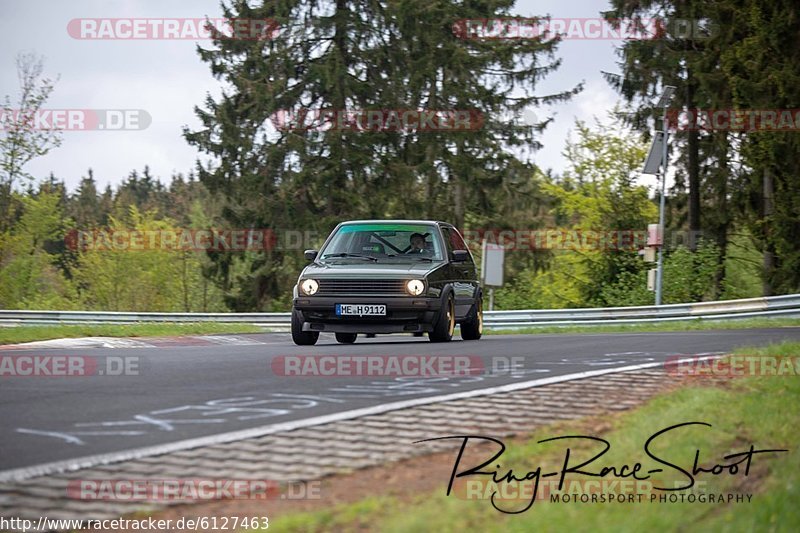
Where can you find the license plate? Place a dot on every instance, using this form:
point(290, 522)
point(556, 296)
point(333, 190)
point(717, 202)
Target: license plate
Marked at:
point(361, 309)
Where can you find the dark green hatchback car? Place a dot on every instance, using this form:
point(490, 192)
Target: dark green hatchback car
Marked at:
point(388, 276)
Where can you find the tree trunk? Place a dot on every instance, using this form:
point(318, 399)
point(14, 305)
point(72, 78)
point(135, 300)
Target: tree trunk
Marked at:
point(458, 203)
point(769, 246)
point(457, 176)
point(724, 219)
point(337, 195)
point(693, 170)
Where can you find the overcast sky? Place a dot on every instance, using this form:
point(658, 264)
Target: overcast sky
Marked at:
point(167, 79)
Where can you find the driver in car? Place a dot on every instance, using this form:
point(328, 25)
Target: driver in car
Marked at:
point(417, 244)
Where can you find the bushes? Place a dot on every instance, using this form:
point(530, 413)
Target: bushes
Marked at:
point(31, 276)
point(688, 277)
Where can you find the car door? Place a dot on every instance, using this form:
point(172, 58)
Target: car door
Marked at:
point(463, 274)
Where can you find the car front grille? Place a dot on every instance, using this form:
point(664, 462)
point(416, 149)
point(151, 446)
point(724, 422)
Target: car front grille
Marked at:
point(342, 287)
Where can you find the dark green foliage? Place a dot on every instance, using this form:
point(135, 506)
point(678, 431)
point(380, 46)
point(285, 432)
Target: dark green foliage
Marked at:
point(363, 55)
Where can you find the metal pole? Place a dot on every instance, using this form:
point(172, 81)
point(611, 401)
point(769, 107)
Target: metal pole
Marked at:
point(660, 264)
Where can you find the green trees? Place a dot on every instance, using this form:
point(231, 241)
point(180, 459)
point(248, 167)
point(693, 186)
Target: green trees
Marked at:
point(598, 192)
point(738, 181)
point(144, 280)
point(30, 274)
point(43, 266)
point(761, 63)
point(21, 141)
point(677, 55)
point(278, 162)
point(275, 156)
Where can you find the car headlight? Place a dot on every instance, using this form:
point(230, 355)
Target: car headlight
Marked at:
point(309, 287)
point(414, 287)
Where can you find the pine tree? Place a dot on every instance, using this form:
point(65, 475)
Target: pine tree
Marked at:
point(85, 205)
point(684, 52)
point(361, 55)
point(762, 66)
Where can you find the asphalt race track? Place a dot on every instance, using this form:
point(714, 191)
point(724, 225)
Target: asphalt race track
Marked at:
point(181, 392)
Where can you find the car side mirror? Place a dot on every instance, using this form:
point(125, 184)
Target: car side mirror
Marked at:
point(459, 256)
point(310, 254)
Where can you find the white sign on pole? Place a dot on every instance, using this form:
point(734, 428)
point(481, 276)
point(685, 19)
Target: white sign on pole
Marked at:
point(651, 279)
point(655, 235)
point(492, 258)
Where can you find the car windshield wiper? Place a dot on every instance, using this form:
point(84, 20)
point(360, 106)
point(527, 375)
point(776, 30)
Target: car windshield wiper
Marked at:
point(346, 254)
point(422, 258)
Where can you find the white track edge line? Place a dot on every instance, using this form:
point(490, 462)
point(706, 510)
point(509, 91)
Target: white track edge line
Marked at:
point(20, 474)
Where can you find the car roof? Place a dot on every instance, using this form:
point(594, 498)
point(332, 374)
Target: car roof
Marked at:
point(396, 221)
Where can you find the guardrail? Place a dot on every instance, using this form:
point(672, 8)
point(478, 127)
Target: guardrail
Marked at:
point(774, 306)
point(113, 317)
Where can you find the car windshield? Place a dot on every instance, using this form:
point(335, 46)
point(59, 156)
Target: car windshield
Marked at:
point(385, 243)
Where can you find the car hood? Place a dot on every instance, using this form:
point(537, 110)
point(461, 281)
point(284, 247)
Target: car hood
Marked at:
point(348, 269)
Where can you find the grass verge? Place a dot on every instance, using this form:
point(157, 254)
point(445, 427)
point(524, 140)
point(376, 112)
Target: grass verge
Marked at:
point(14, 335)
point(758, 410)
point(695, 325)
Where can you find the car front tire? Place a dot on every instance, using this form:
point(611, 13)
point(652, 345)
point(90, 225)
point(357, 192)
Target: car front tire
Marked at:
point(300, 337)
point(445, 323)
point(472, 327)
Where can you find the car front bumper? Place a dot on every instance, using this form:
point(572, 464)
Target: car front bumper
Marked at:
point(404, 314)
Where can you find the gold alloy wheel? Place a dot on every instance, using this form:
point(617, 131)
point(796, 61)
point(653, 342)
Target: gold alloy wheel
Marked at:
point(451, 318)
point(480, 316)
